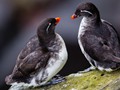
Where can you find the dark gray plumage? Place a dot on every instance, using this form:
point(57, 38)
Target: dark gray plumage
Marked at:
point(43, 56)
point(98, 39)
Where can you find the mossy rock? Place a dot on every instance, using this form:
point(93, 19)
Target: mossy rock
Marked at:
point(93, 80)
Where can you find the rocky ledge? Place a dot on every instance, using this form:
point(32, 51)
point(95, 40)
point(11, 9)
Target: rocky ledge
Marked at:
point(92, 80)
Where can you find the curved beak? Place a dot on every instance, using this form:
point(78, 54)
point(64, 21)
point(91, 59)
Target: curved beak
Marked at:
point(57, 20)
point(74, 16)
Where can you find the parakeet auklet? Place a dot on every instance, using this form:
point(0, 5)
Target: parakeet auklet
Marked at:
point(43, 57)
point(97, 38)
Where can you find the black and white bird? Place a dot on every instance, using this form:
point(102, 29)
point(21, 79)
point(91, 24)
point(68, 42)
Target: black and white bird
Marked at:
point(43, 57)
point(97, 38)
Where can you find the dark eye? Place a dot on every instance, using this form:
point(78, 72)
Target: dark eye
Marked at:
point(77, 12)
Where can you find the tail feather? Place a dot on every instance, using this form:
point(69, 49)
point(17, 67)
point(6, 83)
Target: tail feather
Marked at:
point(18, 77)
point(116, 59)
point(9, 80)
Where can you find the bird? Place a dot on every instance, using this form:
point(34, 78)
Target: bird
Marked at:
point(98, 39)
point(42, 58)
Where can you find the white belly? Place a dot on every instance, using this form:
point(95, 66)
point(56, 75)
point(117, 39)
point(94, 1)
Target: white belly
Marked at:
point(58, 64)
point(84, 53)
point(81, 32)
point(53, 66)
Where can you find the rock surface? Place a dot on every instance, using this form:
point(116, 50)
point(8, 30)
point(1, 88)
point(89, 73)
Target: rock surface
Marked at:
point(93, 80)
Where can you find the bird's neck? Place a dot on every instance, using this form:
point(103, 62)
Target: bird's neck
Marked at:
point(88, 23)
point(91, 21)
point(46, 41)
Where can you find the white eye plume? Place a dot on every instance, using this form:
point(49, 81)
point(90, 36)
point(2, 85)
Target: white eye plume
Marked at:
point(47, 30)
point(85, 11)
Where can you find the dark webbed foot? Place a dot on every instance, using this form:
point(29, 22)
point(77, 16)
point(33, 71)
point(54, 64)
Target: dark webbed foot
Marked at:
point(55, 80)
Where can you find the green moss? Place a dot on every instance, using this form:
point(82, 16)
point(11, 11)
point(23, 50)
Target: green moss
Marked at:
point(93, 80)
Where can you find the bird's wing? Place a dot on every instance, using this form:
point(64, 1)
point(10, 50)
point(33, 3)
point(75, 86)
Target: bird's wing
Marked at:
point(111, 27)
point(31, 45)
point(98, 48)
point(30, 64)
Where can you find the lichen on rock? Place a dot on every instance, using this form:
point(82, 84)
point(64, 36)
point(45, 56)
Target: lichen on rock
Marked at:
point(92, 80)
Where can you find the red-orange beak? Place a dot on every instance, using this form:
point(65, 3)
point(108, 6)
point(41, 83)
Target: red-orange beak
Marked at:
point(57, 20)
point(73, 16)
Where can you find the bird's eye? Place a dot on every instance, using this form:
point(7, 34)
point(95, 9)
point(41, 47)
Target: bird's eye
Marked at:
point(47, 30)
point(77, 12)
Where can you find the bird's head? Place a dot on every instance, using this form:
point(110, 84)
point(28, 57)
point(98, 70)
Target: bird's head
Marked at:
point(46, 29)
point(85, 9)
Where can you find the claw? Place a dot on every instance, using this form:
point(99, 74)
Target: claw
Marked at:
point(55, 80)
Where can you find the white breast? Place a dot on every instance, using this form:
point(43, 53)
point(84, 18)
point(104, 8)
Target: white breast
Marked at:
point(58, 64)
point(84, 23)
point(53, 66)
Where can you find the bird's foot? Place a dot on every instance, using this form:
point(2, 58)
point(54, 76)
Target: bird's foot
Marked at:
point(55, 80)
point(87, 70)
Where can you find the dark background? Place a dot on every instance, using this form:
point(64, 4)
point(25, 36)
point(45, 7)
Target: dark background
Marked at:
point(19, 20)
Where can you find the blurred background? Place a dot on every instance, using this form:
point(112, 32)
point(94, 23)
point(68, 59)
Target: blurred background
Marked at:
point(19, 20)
